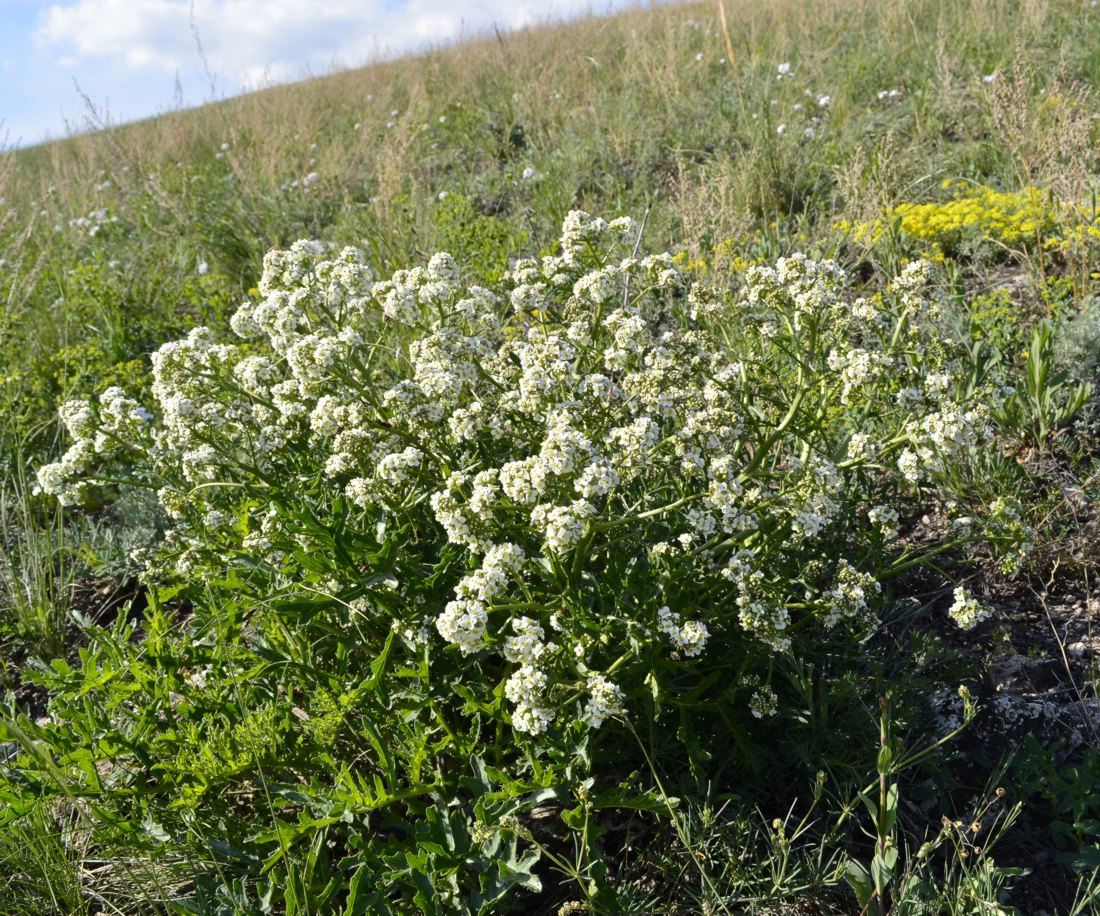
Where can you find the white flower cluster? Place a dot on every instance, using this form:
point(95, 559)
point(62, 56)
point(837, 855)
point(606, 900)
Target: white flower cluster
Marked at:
point(857, 367)
point(605, 699)
point(848, 599)
point(764, 702)
point(966, 611)
point(527, 689)
point(690, 638)
point(885, 518)
point(758, 613)
point(1006, 524)
point(118, 425)
point(463, 621)
point(93, 223)
point(527, 646)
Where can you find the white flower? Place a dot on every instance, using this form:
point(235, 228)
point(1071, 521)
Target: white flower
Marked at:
point(463, 623)
point(764, 702)
point(909, 465)
point(605, 699)
point(885, 518)
point(689, 638)
point(527, 646)
point(533, 720)
point(527, 689)
point(861, 445)
point(849, 596)
point(394, 468)
point(597, 479)
point(966, 611)
point(564, 525)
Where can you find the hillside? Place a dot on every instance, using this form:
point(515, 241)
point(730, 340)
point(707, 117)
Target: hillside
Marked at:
point(616, 114)
point(224, 730)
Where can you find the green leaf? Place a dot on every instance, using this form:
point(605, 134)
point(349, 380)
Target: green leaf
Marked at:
point(357, 905)
point(870, 805)
point(859, 880)
point(882, 868)
point(890, 815)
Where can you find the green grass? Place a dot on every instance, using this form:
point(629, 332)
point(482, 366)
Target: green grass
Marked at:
point(676, 114)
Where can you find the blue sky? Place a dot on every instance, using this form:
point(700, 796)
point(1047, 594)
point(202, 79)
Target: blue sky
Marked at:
point(126, 55)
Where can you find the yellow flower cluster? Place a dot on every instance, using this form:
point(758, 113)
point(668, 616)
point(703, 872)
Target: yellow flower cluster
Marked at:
point(969, 211)
point(1006, 217)
point(1077, 237)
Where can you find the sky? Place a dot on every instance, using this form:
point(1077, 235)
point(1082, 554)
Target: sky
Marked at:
point(134, 58)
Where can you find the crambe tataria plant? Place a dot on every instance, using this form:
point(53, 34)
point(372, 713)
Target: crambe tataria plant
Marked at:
point(561, 489)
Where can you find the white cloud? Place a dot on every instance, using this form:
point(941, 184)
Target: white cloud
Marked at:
point(248, 41)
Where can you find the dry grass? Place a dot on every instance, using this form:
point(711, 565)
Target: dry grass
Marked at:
point(607, 80)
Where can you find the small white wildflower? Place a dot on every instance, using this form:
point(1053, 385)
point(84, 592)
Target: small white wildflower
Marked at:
point(764, 702)
point(909, 465)
point(605, 699)
point(527, 646)
point(966, 611)
point(689, 638)
point(885, 519)
point(848, 598)
point(861, 445)
point(463, 623)
point(527, 688)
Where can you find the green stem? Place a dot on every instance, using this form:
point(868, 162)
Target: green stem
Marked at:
point(903, 563)
point(649, 513)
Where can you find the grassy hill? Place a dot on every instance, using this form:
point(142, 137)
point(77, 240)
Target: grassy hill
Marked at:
point(619, 114)
point(873, 132)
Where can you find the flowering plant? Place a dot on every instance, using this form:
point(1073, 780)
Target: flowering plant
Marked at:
point(597, 491)
point(614, 459)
